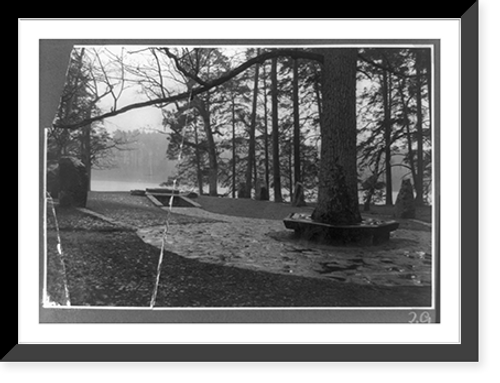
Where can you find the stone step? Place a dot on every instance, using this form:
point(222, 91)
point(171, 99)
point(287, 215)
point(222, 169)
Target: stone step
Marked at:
point(161, 199)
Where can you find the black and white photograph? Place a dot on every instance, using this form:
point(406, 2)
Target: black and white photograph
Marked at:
point(282, 174)
point(248, 190)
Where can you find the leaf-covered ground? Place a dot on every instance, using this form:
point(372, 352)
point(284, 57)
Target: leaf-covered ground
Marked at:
point(109, 265)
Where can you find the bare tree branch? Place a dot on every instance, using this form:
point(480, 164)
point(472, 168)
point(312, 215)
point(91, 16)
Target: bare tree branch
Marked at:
point(162, 88)
point(122, 76)
point(181, 69)
point(203, 88)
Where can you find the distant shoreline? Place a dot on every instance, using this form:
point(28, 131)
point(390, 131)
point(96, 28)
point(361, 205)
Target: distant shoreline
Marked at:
point(107, 185)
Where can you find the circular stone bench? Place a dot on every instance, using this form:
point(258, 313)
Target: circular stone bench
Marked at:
point(368, 232)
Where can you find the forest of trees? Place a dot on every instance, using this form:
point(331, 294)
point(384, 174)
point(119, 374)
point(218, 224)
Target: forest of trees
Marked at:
point(250, 142)
point(91, 143)
point(339, 121)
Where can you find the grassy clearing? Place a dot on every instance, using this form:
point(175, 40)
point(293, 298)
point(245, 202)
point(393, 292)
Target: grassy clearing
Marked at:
point(423, 213)
point(277, 211)
point(271, 210)
point(250, 208)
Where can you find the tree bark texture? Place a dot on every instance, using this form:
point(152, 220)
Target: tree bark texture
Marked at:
point(251, 168)
point(428, 72)
point(234, 149)
point(338, 190)
point(203, 109)
point(419, 184)
point(86, 152)
point(373, 185)
point(298, 198)
point(199, 175)
point(290, 166)
point(276, 145)
point(387, 137)
point(406, 119)
point(296, 123)
point(317, 91)
point(86, 149)
point(266, 137)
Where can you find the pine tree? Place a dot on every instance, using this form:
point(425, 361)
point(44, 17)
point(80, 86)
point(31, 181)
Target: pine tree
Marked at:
point(338, 190)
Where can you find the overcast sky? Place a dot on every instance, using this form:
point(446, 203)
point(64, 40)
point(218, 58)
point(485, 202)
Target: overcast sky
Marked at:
point(147, 117)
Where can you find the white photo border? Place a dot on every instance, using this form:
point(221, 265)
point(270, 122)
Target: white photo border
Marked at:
point(448, 332)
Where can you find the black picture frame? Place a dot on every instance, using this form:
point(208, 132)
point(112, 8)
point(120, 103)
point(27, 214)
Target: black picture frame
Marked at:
point(467, 349)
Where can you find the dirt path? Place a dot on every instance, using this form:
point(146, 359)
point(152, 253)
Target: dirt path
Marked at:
point(265, 245)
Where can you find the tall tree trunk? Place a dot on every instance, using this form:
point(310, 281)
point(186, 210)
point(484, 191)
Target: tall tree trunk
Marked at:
point(276, 145)
point(338, 190)
point(296, 123)
point(251, 144)
point(419, 185)
point(203, 107)
point(297, 191)
point(86, 148)
point(234, 150)
point(86, 152)
point(373, 185)
point(411, 159)
point(317, 90)
point(255, 173)
point(387, 137)
point(290, 168)
point(428, 73)
point(212, 152)
point(368, 200)
point(199, 175)
point(266, 137)
point(212, 159)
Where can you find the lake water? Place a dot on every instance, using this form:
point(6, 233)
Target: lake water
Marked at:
point(111, 185)
point(127, 185)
